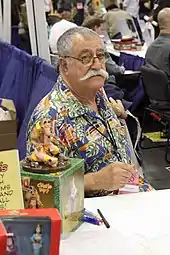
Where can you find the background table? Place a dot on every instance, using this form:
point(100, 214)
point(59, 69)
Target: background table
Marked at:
point(139, 221)
point(112, 51)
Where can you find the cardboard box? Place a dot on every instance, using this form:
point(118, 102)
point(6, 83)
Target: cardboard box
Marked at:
point(63, 190)
point(31, 231)
point(3, 239)
point(10, 179)
point(8, 128)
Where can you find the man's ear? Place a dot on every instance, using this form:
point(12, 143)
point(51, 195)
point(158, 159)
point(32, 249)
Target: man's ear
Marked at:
point(63, 65)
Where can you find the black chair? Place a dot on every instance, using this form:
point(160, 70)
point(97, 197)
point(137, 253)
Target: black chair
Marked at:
point(157, 91)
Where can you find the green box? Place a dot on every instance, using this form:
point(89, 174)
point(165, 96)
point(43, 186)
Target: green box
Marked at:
point(62, 190)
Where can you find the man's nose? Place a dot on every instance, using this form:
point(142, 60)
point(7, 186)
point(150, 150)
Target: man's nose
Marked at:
point(96, 64)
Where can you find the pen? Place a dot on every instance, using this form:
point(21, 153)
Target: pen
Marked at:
point(90, 220)
point(91, 215)
point(103, 218)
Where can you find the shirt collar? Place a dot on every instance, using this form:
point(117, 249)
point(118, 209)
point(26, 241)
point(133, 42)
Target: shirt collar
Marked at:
point(74, 107)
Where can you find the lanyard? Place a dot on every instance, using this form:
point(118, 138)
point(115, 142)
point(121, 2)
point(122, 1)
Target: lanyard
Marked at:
point(110, 134)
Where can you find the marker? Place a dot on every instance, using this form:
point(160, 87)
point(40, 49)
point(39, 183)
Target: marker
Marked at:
point(103, 218)
point(90, 220)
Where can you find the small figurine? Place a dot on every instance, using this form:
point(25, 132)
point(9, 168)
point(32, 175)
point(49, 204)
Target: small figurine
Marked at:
point(36, 240)
point(46, 156)
point(11, 248)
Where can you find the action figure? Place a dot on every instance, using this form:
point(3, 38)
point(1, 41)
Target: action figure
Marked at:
point(11, 248)
point(36, 240)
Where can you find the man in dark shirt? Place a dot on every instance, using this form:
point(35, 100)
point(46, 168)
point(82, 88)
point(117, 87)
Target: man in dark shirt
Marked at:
point(158, 53)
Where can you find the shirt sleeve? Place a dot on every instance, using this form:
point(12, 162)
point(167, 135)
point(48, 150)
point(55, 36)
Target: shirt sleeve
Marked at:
point(114, 69)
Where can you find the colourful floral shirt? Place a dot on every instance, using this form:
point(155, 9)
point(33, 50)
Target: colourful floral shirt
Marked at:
point(98, 138)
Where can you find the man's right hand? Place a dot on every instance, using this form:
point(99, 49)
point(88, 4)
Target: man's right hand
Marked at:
point(114, 176)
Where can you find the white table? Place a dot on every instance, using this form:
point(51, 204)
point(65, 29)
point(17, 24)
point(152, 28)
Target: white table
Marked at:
point(140, 224)
point(116, 53)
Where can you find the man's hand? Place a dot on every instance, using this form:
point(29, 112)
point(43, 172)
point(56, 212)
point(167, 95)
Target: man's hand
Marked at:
point(118, 108)
point(113, 177)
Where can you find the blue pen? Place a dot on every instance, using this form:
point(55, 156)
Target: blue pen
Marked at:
point(90, 214)
point(90, 220)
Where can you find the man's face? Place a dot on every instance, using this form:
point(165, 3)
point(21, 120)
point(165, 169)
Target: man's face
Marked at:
point(85, 49)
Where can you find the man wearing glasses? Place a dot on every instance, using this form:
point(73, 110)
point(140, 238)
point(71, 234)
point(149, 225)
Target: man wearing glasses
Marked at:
point(78, 100)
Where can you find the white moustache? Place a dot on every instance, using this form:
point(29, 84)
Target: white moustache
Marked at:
point(93, 73)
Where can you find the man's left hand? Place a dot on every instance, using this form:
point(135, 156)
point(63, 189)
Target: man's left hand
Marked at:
point(118, 108)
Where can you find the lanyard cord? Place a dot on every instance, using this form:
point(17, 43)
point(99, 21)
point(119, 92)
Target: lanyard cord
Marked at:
point(111, 140)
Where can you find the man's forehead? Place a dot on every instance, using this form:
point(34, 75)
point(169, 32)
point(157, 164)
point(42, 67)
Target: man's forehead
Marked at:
point(81, 43)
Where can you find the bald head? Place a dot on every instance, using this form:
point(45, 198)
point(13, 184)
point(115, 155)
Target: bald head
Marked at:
point(164, 20)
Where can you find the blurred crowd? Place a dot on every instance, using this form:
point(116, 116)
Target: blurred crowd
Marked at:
point(101, 15)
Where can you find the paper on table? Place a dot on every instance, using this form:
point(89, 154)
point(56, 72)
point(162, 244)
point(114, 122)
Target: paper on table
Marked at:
point(128, 72)
point(104, 242)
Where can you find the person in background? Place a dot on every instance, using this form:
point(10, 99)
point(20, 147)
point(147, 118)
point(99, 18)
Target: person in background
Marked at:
point(24, 30)
point(159, 5)
point(15, 12)
point(84, 119)
point(132, 6)
point(56, 31)
point(79, 11)
point(65, 13)
point(64, 9)
point(55, 5)
point(48, 4)
point(145, 8)
point(97, 24)
point(112, 17)
point(90, 8)
point(52, 19)
point(157, 55)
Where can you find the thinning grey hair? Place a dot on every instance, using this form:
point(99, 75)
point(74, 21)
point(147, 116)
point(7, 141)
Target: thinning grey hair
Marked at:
point(64, 44)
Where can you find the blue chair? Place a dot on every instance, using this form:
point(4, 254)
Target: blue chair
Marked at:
point(134, 63)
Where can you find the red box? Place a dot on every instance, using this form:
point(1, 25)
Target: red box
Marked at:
point(30, 231)
point(3, 239)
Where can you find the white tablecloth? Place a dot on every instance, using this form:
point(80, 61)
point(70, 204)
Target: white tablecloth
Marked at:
point(139, 221)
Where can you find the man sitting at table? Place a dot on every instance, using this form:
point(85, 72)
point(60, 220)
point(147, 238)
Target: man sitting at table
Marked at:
point(158, 53)
point(116, 19)
point(82, 116)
